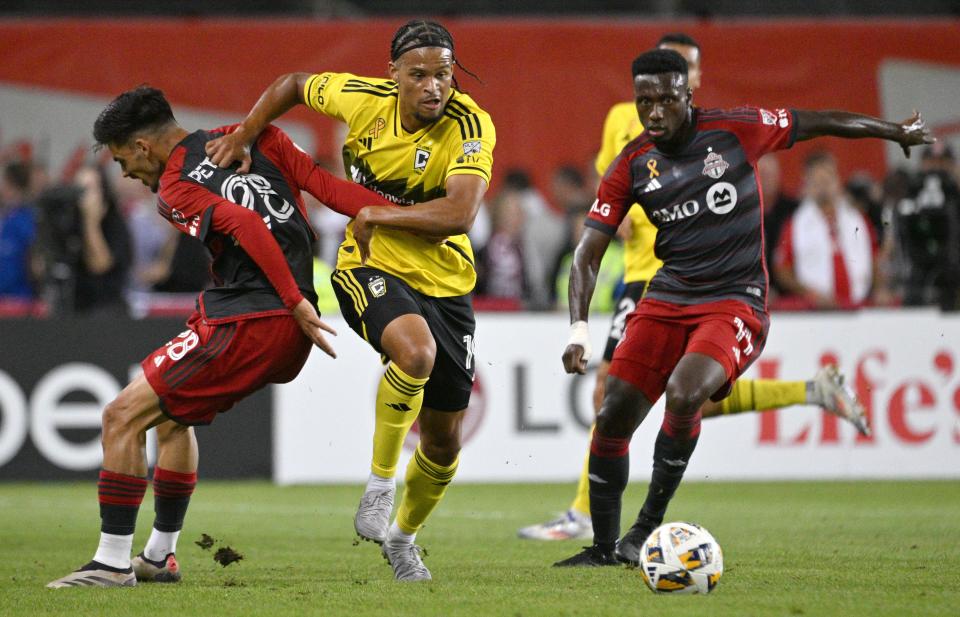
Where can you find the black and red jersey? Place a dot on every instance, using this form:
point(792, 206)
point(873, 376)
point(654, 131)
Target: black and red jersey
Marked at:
point(255, 224)
point(705, 202)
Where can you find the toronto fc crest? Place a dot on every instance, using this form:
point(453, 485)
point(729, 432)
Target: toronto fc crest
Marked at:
point(714, 165)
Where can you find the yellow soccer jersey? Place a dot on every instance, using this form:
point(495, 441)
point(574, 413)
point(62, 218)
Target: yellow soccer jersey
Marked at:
point(622, 126)
point(407, 168)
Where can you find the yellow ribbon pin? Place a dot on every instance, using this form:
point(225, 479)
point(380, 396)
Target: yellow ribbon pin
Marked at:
point(652, 166)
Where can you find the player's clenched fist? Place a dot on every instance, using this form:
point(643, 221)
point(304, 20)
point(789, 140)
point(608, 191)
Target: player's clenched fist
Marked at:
point(235, 146)
point(577, 353)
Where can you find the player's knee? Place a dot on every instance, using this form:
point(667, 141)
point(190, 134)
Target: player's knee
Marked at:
point(417, 360)
point(116, 418)
point(621, 411)
point(441, 449)
point(685, 401)
point(169, 432)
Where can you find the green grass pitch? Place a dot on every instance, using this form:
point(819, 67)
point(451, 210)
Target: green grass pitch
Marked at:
point(812, 548)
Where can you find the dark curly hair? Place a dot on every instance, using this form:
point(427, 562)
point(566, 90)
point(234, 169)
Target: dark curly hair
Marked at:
point(141, 109)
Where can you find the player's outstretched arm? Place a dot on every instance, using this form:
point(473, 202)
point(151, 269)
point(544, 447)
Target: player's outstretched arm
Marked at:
point(910, 132)
point(445, 216)
point(280, 97)
point(583, 279)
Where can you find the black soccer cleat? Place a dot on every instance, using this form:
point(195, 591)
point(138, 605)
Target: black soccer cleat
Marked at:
point(590, 557)
point(629, 546)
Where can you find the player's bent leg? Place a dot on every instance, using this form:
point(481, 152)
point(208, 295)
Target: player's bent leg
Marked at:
point(430, 471)
point(825, 389)
point(624, 407)
point(407, 341)
point(121, 487)
point(174, 480)
point(695, 378)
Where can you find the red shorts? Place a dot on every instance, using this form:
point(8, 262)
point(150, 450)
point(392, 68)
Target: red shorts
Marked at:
point(206, 369)
point(659, 333)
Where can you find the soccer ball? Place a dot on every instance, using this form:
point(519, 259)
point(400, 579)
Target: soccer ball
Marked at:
point(681, 558)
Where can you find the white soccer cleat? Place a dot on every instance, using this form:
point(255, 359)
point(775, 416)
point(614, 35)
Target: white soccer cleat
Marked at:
point(571, 526)
point(838, 399)
point(405, 559)
point(96, 574)
point(373, 516)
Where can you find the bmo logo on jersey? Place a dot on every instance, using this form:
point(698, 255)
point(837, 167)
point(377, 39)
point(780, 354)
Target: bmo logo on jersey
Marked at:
point(245, 189)
point(599, 208)
point(721, 197)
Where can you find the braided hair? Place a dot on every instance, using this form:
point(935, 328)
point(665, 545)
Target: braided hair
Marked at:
point(418, 33)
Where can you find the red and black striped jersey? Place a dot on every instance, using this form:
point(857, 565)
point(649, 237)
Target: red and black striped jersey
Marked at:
point(255, 224)
point(705, 201)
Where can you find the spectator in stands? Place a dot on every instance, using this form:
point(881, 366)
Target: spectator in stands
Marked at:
point(826, 253)
point(543, 237)
point(926, 222)
point(101, 273)
point(500, 262)
point(778, 207)
point(17, 232)
point(573, 196)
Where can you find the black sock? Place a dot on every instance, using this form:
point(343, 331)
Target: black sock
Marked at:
point(120, 496)
point(609, 472)
point(670, 459)
point(172, 491)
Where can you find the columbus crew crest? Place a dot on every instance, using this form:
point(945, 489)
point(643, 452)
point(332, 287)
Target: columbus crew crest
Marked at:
point(714, 165)
point(420, 159)
point(377, 286)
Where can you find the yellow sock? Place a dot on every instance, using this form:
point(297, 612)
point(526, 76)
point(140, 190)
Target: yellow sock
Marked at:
point(426, 482)
point(759, 394)
point(399, 398)
point(581, 503)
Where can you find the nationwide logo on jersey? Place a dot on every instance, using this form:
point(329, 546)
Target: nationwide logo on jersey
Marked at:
point(714, 165)
point(420, 159)
point(377, 286)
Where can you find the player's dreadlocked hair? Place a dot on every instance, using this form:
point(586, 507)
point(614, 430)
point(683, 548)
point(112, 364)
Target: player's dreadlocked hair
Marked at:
point(418, 33)
point(659, 61)
point(140, 109)
point(678, 38)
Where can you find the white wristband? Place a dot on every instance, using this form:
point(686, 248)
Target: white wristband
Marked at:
point(580, 335)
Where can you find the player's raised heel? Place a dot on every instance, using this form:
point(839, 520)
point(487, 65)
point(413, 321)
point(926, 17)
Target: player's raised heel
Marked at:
point(373, 515)
point(167, 570)
point(571, 526)
point(838, 399)
point(405, 559)
point(96, 574)
point(589, 557)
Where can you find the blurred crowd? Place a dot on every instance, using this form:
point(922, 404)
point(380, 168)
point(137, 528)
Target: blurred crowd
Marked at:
point(91, 243)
